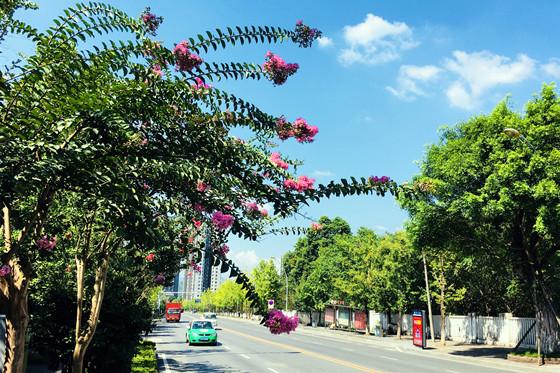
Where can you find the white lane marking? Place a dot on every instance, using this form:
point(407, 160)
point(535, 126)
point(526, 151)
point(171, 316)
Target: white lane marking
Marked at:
point(272, 370)
point(451, 371)
point(245, 356)
point(165, 366)
point(226, 347)
point(387, 357)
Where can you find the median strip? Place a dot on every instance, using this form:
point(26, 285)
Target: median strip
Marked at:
point(305, 352)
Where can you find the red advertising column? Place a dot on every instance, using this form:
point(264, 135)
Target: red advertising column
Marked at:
point(418, 328)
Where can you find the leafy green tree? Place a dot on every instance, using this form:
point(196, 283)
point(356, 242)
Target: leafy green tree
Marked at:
point(230, 297)
point(267, 281)
point(495, 194)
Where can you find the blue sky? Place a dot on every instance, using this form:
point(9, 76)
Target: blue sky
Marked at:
point(386, 76)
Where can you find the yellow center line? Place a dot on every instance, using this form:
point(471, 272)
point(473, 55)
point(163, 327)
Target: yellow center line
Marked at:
point(306, 352)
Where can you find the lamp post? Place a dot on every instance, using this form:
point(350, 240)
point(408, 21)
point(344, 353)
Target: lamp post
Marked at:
point(516, 134)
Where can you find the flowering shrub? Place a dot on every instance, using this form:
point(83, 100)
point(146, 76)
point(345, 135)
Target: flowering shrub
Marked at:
point(184, 59)
point(200, 84)
point(223, 250)
point(222, 221)
point(316, 227)
point(159, 279)
point(46, 243)
point(277, 160)
point(5, 270)
point(150, 257)
point(300, 130)
point(201, 186)
point(379, 180)
point(150, 20)
point(277, 70)
point(279, 323)
point(303, 183)
point(254, 211)
point(305, 35)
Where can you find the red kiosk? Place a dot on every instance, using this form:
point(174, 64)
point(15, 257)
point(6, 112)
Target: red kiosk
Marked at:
point(419, 328)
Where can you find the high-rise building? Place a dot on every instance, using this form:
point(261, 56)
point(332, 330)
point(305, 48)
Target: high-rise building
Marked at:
point(215, 278)
point(193, 284)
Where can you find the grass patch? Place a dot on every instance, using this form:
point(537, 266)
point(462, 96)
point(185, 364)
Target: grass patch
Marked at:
point(533, 353)
point(145, 361)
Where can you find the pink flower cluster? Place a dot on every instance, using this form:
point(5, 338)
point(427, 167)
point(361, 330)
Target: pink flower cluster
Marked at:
point(196, 267)
point(159, 279)
point(253, 210)
point(150, 257)
point(5, 270)
point(46, 243)
point(276, 159)
point(305, 35)
point(184, 59)
point(150, 20)
point(157, 71)
point(222, 221)
point(277, 70)
point(302, 183)
point(379, 180)
point(200, 84)
point(223, 250)
point(300, 130)
point(279, 323)
point(316, 227)
point(201, 186)
point(197, 223)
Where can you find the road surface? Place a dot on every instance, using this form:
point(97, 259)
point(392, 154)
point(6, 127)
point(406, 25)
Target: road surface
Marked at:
point(245, 346)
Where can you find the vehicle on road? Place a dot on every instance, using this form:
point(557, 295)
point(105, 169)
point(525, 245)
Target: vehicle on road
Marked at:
point(213, 318)
point(173, 312)
point(201, 331)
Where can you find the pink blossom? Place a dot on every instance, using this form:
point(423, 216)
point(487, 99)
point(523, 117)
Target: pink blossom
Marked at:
point(46, 243)
point(264, 213)
point(305, 35)
point(196, 267)
point(184, 59)
point(5, 270)
point(150, 20)
point(145, 186)
point(222, 221)
point(304, 183)
point(144, 142)
point(277, 70)
point(279, 323)
point(379, 180)
point(304, 132)
point(283, 128)
point(150, 257)
point(316, 227)
point(277, 160)
point(197, 223)
point(290, 184)
point(159, 279)
point(200, 84)
point(224, 249)
point(156, 69)
point(251, 207)
point(201, 186)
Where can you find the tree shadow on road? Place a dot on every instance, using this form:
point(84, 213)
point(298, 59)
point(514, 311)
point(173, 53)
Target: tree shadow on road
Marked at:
point(495, 352)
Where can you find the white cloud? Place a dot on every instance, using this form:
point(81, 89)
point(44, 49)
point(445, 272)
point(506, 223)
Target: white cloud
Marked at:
point(325, 42)
point(479, 72)
point(410, 78)
point(245, 259)
point(375, 40)
point(320, 173)
point(552, 68)
point(381, 228)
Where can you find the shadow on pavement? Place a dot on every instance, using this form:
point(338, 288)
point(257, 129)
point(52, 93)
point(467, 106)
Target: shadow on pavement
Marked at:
point(495, 352)
point(205, 367)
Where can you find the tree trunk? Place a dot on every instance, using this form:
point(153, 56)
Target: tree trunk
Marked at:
point(13, 294)
point(85, 336)
point(442, 303)
point(430, 317)
point(399, 324)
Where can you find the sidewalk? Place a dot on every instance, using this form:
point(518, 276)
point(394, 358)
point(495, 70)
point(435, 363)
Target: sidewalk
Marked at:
point(487, 355)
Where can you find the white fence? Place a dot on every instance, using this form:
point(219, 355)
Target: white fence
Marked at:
point(504, 330)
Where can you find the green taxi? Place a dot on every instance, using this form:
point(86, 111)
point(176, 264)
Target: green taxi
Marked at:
point(201, 331)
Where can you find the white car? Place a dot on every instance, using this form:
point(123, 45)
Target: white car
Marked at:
point(213, 318)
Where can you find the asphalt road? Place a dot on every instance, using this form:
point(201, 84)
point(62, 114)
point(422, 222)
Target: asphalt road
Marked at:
point(245, 346)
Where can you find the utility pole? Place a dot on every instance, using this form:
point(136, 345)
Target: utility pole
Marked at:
point(428, 297)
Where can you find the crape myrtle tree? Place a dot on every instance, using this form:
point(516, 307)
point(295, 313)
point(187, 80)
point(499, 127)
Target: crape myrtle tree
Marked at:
point(496, 195)
point(80, 114)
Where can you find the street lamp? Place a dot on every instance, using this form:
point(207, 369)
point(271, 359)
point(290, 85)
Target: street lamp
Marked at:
point(516, 134)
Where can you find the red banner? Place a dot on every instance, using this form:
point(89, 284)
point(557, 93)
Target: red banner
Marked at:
point(360, 320)
point(418, 337)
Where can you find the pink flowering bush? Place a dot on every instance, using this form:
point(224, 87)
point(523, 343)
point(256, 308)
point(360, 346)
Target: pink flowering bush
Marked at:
point(184, 59)
point(279, 323)
point(300, 130)
point(303, 183)
point(5, 270)
point(277, 160)
point(305, 35)
point(379, 180)
point(150, 20)
point(222, 221)
point(46, 243)
point(277, 70)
